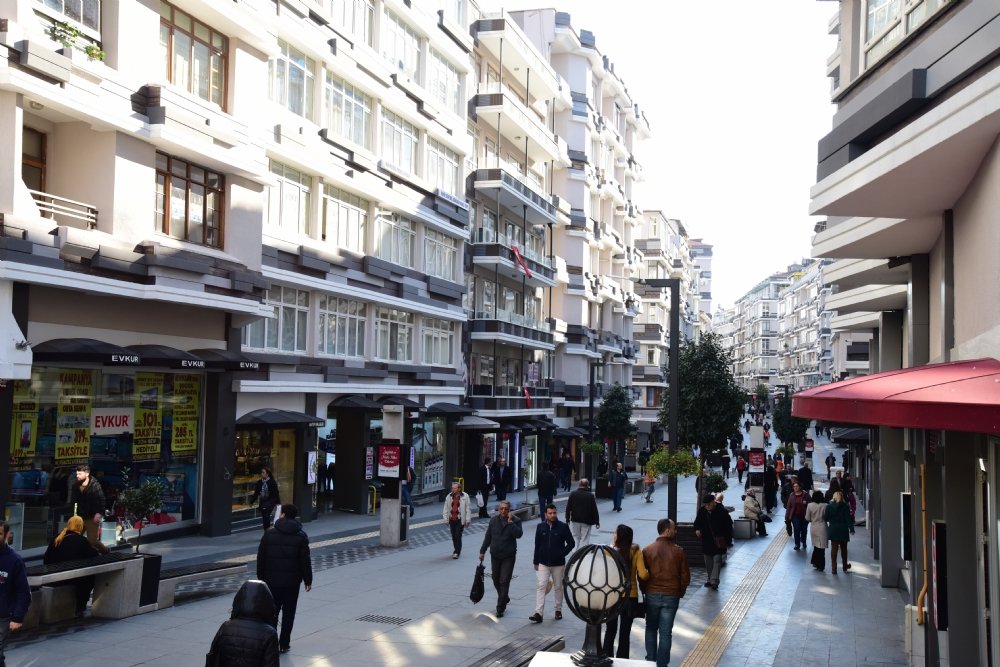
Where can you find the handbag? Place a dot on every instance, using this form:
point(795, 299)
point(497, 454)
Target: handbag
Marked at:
point(638, 607)
point(478, 585)
point(479, 499)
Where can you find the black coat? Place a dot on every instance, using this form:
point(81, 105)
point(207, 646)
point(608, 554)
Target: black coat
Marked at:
point(272, 489)
point(546, 485)
point(485, 485)
point(73, 547)
point(581, 507)
point(90, 500)
point(283, 556)
point(770, 480)
point(805, 478)
point(248, 639)
point(716, 524)
point(502, 482)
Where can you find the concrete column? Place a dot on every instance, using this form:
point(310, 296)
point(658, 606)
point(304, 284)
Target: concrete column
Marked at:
point(306, 441)
point(11, 118)
point(219, 447)
point(390, 513)
point(918, 311)
point(19, 309)
point(891, 464)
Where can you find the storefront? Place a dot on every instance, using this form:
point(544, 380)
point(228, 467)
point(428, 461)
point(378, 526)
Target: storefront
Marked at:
point(354, 426)
point(479, 442)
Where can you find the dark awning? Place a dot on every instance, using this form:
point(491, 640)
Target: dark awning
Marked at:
point(543, 424)
point(225, 360)
point(84, 350)
point(850, 435)
point(956, 396)
point(168, 357)
point(510, 426)
point(274, 418)
point(407, 403)
point(450, 409)
point(564, 433)
point(471, 422)
point(355, 402)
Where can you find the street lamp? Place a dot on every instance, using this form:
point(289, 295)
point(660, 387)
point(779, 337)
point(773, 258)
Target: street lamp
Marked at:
point(593, 382)
point(597, 587)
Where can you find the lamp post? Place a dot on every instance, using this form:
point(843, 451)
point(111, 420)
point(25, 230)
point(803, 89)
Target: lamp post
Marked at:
point(593, 382)
point(597, 586)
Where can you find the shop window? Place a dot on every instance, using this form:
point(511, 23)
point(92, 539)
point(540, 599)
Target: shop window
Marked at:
point(189, 201)
point(255, 450)
point(193, 55)
point(393, 335)
point(440, 252)
point(345, 219)
point(288, 205)
point(292, 77)
point(439, 342)
point(348, 111)
point(396, 238)
point(286, 329)
point(428, 453)
point(342, 326)
point(399, 142)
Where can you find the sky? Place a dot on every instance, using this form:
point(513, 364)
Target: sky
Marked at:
point(736, 96)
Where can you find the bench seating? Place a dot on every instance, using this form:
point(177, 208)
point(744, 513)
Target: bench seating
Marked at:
point(524, 511)
point(519, 652)
point(118, 579)
point(171, 578)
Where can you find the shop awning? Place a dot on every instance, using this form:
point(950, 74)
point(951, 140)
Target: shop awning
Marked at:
point(274, 418)
point(850, 435)
point(543, 424)
point(225, 360)
point(471, 422)
point(450, 410)
point(407, 403)
point(84, 350)
point(355, 402)
point(168, 357)
point(956, 396)
point(565, 433)
point(510, 426)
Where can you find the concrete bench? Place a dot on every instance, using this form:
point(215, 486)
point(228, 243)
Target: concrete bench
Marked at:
point(524, 511)
point(519, 652)
point(170, 579)
point(118, 579)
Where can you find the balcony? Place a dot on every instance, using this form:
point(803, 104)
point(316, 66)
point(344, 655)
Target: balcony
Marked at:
point(65, 211)
point(487, 397)
point(608, 341)
point(649, 332)
point(516, 193)
point(648, 374)
point(507, 327)
point(490, 248)
point(521, 59)
point(496, 104)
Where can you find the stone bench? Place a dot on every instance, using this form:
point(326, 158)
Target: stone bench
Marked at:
point(170, 579)
point(519, 652)
point(118, 579)
point(524, 511)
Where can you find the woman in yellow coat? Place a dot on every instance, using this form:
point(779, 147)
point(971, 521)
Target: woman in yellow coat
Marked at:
point(622, 626)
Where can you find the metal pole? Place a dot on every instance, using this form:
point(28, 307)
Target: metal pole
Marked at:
point(590, 427)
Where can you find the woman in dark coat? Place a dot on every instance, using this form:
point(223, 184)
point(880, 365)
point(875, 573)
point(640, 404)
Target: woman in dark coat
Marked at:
point(72, 544)
point(267, 491)
point(248, 638)
point(838, 516)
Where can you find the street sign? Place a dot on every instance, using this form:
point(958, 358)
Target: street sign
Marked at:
point(757, 460)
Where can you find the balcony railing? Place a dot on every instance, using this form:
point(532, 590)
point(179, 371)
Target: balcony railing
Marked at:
point(501, 315)
point(496, 95)
point(510, 177)
point(50, 205)
point(484, 235)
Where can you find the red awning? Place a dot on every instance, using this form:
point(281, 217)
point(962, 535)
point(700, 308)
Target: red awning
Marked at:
point(957, 396)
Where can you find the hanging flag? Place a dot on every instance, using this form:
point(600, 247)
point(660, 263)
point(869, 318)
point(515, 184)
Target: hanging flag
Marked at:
point(517, 254)
point(527, 396)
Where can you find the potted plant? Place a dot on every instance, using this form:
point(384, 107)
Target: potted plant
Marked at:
point(681, 463)
point(715, 483)
point(140, 502)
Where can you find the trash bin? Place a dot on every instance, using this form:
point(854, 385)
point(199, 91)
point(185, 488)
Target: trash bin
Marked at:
point(743, 529)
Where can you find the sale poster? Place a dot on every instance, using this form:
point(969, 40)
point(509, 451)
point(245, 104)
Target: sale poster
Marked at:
point(757, 460)
point(148, 416)
point(187, 395)
point(24, 425)
point(76, 394)
point(388, 461)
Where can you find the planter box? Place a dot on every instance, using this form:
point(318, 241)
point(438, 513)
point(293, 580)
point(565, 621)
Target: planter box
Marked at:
point(603, 488)
point(150, 588)
point(691, 543)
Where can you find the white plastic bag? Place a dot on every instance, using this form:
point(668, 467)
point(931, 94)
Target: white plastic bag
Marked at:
point(479, 499)
point(277, 514)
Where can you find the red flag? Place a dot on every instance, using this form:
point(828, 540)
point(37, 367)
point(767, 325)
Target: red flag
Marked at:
point(517, 253)
point(527, 396)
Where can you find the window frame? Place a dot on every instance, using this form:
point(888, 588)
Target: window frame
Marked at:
point(298, 303)
point(309, 80)
point(31, 161)
point(168, 179)
point(440, 246)
point(444, 81)
point(438, 335)
point(404, 131)
point(358, 322)
point(221, 53)
point(393, 25)
point(349, 96)
point(902, 21)
point(394, 322)
point(442, 157)
point(402, 233)
point(348, 203)
point(304, 225)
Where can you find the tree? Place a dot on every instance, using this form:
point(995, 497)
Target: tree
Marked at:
point(786, 427)
point(711, 403)
point(140, 502)
point(614, 417)
point(762, 391)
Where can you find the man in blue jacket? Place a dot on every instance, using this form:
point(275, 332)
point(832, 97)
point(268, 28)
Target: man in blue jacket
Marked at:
point(553, 542)
point(15, 596)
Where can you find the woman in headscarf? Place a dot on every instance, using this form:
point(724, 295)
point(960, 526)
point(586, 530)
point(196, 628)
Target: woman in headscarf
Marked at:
point(72, 544)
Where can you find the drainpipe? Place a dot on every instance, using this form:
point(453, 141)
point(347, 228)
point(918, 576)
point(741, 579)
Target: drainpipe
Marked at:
point(923, 530)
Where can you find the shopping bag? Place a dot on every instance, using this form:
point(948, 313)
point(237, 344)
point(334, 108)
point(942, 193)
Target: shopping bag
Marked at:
point(478, 585)
point(277, 513)
point(788, 528)
point(766, 518)
point(479, 499)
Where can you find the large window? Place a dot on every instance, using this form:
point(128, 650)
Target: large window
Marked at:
point(193, 55)
point(286, 329)
point(345, 219)
point(439, 342)
point(472, 160)
point(442, 167)
point(399, 142)
point(396, 236)
point(188, 201)
point(289, 204)
point(888, 21)
point(439, 255)
point(443, 82)
point(342, 326)
point(85, 12)
point(348, 111)
point(393, 334)
point(292, 76)
point(356, 17)
point(400, 46)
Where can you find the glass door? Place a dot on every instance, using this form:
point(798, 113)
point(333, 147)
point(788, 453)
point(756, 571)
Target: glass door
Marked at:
point(283, 456)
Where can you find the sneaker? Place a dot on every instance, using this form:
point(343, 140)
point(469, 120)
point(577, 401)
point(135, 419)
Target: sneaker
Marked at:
point(455, 555)
point(285, 649)
point(708, 584)
point(499, 613)
point(796, 547)
point(558, 615)
point(537, 618)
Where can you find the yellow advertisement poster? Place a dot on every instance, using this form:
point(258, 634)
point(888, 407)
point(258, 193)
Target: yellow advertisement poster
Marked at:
point(24, 426)
point(76, 393)
point(187, 395)
point(148, 416)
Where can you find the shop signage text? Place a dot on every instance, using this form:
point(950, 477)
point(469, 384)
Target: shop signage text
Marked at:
point(112, 421)
point(124, 358)
point(388, 461)
point(757, 460)
point(192, 363)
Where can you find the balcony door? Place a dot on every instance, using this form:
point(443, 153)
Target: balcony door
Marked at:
point(33, 159)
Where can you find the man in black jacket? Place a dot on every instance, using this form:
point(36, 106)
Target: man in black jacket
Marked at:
point(90, 506)
point(15, 595)
point(581, 513)
point(248, 637)
point(805, 478)
point(715, 528)
point(566, 468)
point(553, 542)
point(485, 484)
point(283, 563)
point(501, 538)
point(546, 488)
point(502, 476)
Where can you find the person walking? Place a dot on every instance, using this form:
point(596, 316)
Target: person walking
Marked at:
point(283, 564)
point(566, 468)
point(669, 577)
point(616, 480)
point(752, 511)
point(267, 491)
point(90, 506)
point(69, 545)
point(795, 513)
point(838, 516)
point(847, 484)
point(248, 638)
point(805, 475)
point(741, 465)
point(15, 595)
point(406, 486)
point(770, 488)
point(582, 514)
point(457, 514)
point(602, 466)
point(553, 542)
point(833, 488)
point(501, 538)
point(502, 475)
point(831, 461)
point(546, 488)
point(816, 516)
point(725, 465)
point(485, 484)
point(714, 526)
point(622, 626)
point(650, 485)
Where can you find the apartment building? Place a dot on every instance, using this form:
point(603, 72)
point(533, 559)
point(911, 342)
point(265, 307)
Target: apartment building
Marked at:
point(753, 329)
point(906, 178)
point(805, 352)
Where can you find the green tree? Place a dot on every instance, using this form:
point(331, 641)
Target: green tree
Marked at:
point(141, 501)
point(614, 417)
point(711, 403)
point(786, 427)
point(762, 391)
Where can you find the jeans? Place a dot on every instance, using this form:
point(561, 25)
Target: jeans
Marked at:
point(542, 579)
point(503, 569)
point(842, 546)
point(660, 612)
point(739, 475)
point(622, 628)
point(286, 599)
point(581, 534)
point(799, 526)
point(457, 528)
point(650, 487)
point(407, 500)
point(4, 634)
point(713, 566)
point(543, 501)
point(619, 492)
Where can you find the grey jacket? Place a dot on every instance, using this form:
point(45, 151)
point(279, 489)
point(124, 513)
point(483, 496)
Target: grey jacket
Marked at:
point(501, 537)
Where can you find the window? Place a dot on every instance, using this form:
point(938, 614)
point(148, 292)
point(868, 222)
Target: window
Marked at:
point(443, 83)
point(341, 326)
point(442, 167)
point(33, 159)
point(289, 205)
point(492, 153)
point(439, 255)
point(401, 46)
point(356, 17)
point(473, 216)
point(393, 334)
point(439, 342)
point(194, 55)
point(469, 298)
point(286, 329)
point(888, 21)
point(348, 111)
point(396, 235)
point(345, 219)
point(188, 201)
point(292, 77)
point(651, 356)
point(399, 142)
point(84, 12)
point(473, 159)
point(452, 9)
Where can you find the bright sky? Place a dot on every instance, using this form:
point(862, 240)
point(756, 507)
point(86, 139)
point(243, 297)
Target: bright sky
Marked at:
point(736, 96)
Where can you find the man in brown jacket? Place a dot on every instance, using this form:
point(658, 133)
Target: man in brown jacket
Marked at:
point(669, 577)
